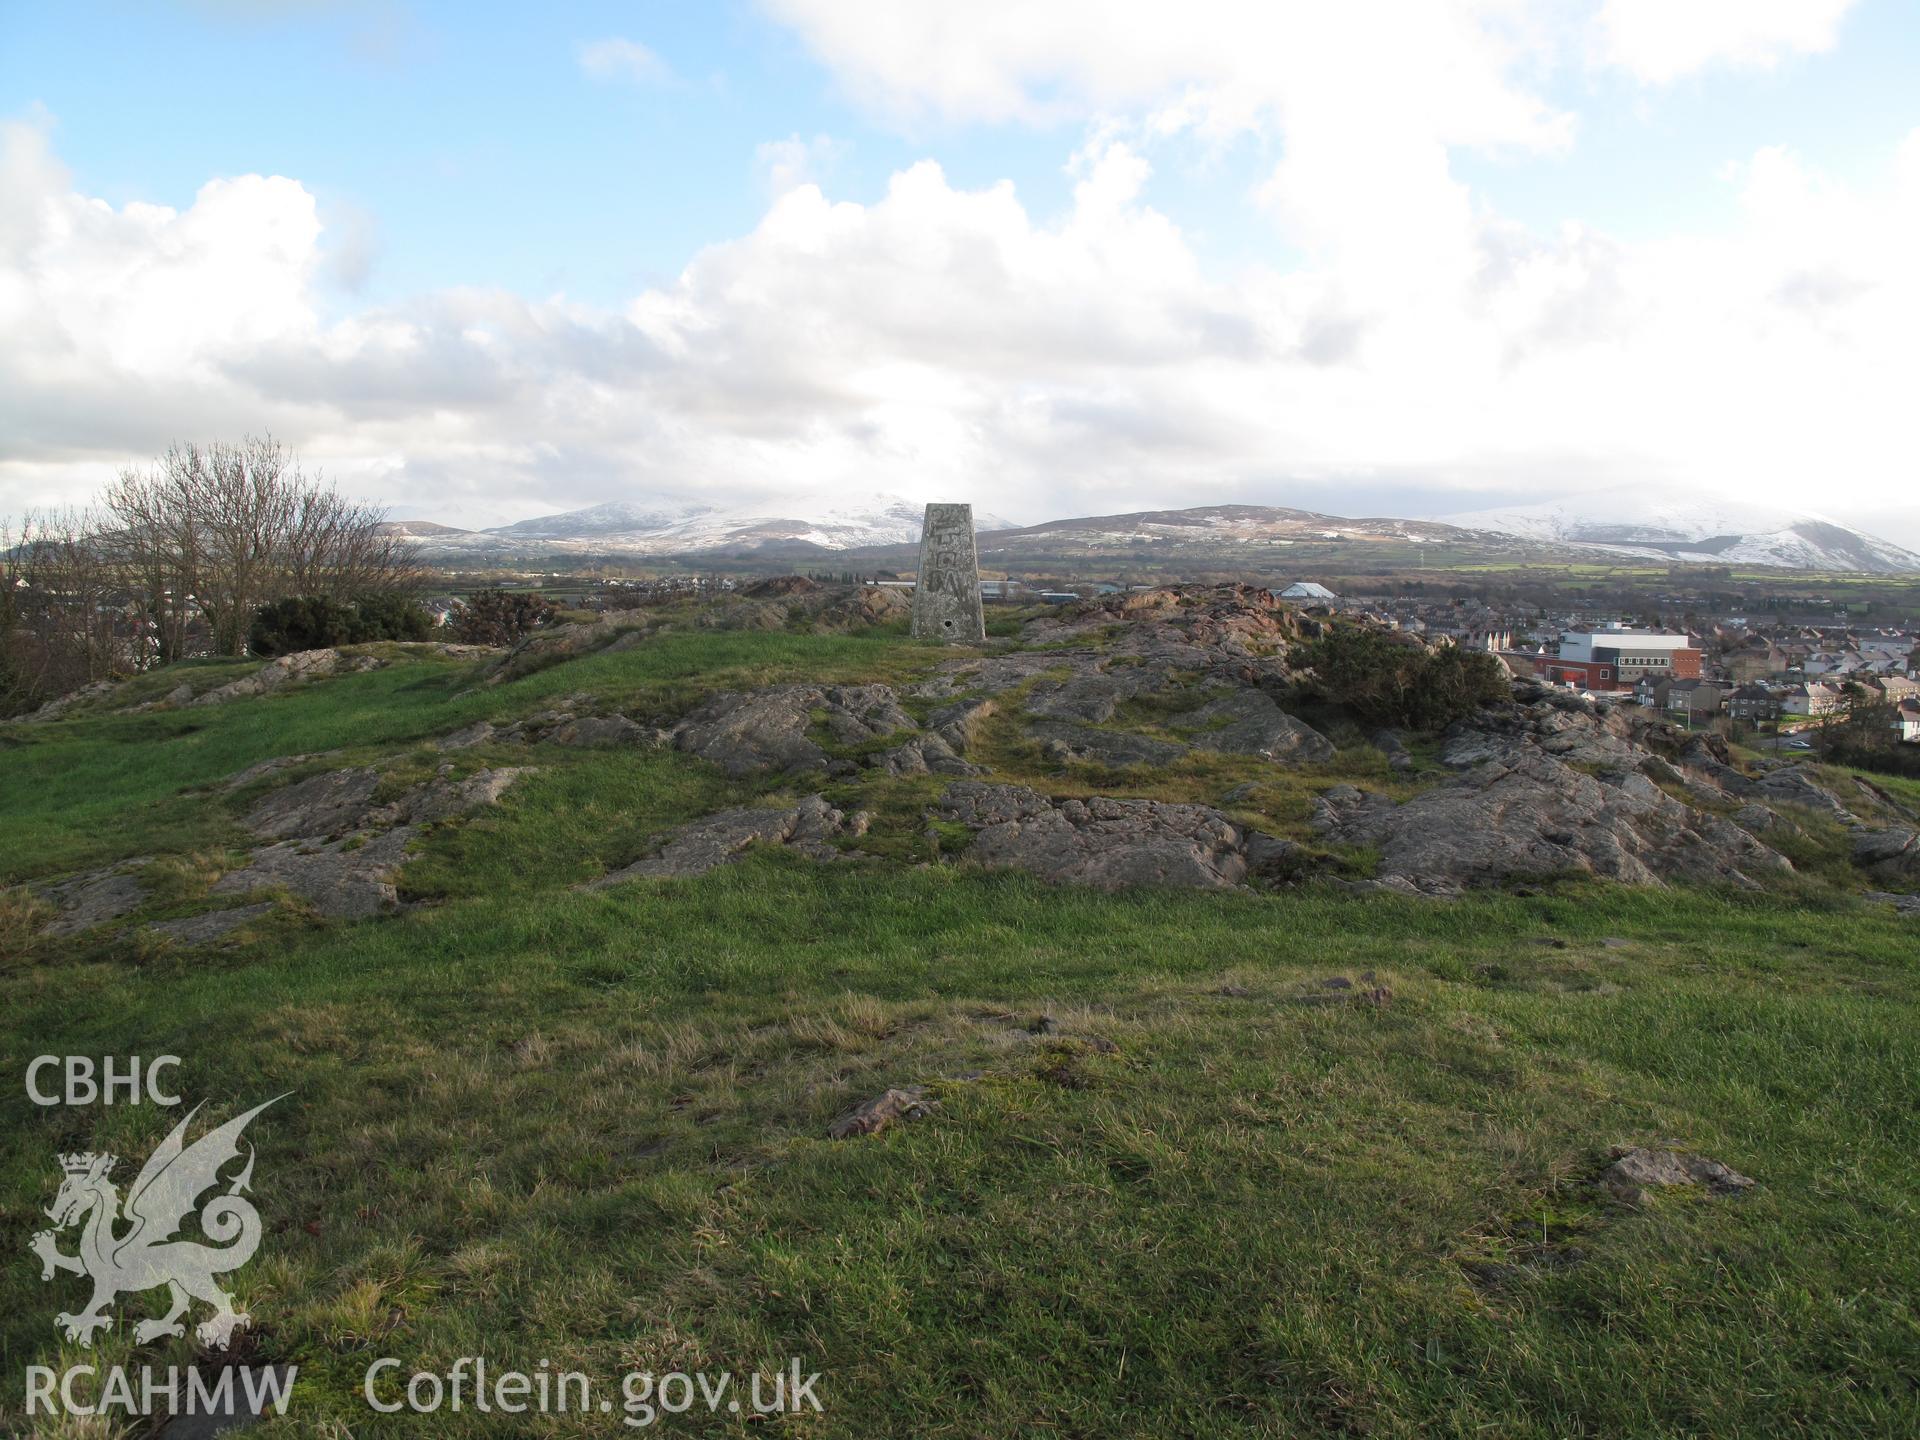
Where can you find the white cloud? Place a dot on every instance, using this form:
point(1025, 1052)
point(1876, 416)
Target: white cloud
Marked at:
point(1661, 41)
point(784, 165)
point(945, 340)
point(617, 59)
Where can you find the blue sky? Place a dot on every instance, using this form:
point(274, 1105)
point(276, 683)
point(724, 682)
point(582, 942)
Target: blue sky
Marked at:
point(462, 150)
point(482, 155)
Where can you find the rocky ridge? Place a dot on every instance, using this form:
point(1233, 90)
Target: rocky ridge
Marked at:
point(1108, 696)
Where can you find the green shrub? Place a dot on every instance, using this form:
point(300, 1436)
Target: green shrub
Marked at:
point(390, 616)
point(1385, 680)
point(316, 622)
point(299, 622)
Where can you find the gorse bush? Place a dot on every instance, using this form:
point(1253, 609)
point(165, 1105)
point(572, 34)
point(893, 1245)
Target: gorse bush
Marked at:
point(1385, 680)
point(315, 622)
point(499, 617)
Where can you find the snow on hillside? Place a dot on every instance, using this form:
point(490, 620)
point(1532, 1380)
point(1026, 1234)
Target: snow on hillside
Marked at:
point(1704, 529)
point(658, 527)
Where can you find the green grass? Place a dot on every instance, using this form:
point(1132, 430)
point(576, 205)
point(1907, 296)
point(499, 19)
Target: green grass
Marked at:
point(533, 1121)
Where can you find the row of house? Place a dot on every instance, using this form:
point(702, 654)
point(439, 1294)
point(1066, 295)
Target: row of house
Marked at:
point(1756, 702)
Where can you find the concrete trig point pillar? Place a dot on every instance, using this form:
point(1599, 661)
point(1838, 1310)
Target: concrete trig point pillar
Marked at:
point(946, 592)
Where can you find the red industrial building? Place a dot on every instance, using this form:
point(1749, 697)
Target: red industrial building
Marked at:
point(1617, 659)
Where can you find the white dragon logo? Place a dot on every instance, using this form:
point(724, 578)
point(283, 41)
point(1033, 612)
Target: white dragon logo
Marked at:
point(147, 1256)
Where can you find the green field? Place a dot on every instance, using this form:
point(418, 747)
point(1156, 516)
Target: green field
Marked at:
point(1211, 1196)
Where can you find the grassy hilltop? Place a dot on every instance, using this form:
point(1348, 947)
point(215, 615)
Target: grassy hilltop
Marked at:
point(1175, 1182)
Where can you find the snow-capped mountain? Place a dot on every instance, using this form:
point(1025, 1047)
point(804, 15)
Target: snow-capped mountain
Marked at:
point(835, 522)
point(1703, 529)
point(882, 528)
point(616, 517)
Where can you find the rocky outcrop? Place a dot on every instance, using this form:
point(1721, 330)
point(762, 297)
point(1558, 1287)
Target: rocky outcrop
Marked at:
point(1062, 741)
point(1092, 698)
point(1892, 854)
point(337, 849)
point(61, 704)
point(347, 879)
point(926, 754)
point(601, 732)
point(84, 901)
point(1103, 842)
point(1255, 725)
point(1531, 815)
point(317, 807)
point(769, 730)
point(552, 644)
point(1636, 1170)
point(809, 828)
point(285, 671)
point(1795, 785)
point(213, 925)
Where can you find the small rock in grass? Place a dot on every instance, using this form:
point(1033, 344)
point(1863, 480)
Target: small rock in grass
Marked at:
point(1234, 992)
point(870, 1117)
point(1336, 982)
point(214, 925)
point(1635, 1169)
point(1044, 1025)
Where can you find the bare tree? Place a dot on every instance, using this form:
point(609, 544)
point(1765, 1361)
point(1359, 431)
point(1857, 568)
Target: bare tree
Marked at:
point(65, 619)
point(155, 538)
point(216, 531)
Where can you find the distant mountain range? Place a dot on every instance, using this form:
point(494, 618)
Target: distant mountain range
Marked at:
point(1698, 529)
point(884, 528)
point(797, 525)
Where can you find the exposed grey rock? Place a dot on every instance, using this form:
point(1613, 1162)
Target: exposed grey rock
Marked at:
point(693, 849)
point(350, 874)
point(214, 925)
point(241, 778)
point(96, 897)
point(319, 806)
point(955, 723)
point(1065, 740)
point(870, 1117)
point(1389, 744)
point(60, 705)
point(1271, 858)
point(478, 733)
point(552, 644)
point(1091, 698)
point(1891, 854)
point(1758, 820)
point(284, 671)
point(999, 673)
point(1634, 1170)
point(1792, 785)
point(444, 797)
point(923, 755)
point(601, 730)
point(1905, 904)
point(179, 695)
point(1257, 726)
point(1535, 815)
point(768, 729)
point(346, 879)
point(1100, 842)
